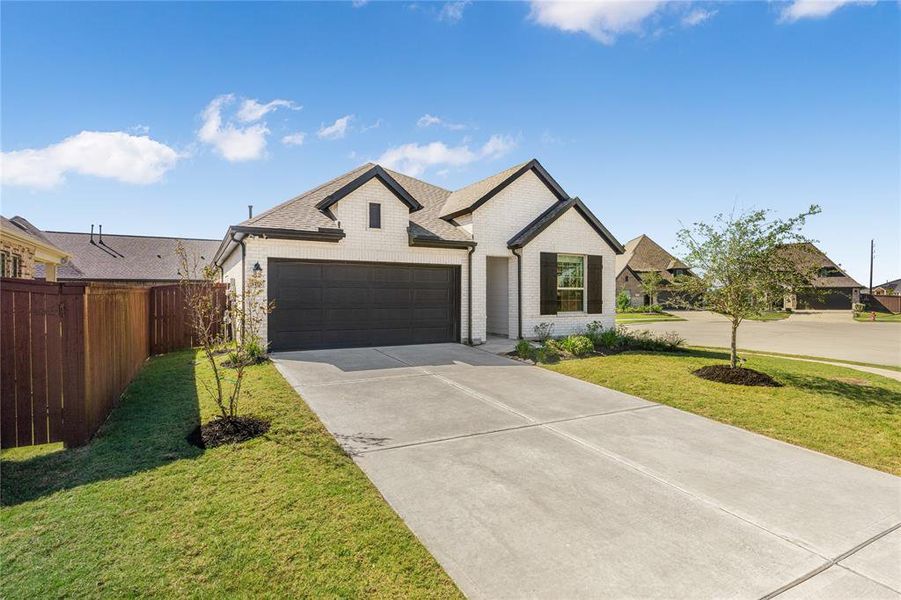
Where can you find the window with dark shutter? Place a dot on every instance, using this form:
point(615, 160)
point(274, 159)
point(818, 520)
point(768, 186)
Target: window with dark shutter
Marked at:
point(548, 283)
point(595, 284)
point(375, 215)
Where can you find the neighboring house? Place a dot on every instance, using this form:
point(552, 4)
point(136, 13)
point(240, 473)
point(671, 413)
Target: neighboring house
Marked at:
point(889, 288)
point(643, 256)
point(834, 289)
point(120, 259)
point(24, 253)
point(375, 257)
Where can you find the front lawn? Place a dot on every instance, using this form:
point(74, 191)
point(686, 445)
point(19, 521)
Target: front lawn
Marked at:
point(880, 317)
point(775, 315)
point(836, 410)
point(141, 512)
point(626, 318)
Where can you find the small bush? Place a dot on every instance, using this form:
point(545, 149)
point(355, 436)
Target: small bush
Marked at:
point(543, 331)
point(577, 345)
point(524, 350)
point(549, 353)
point(623, 301)
point(593, 331)
point(624, 339)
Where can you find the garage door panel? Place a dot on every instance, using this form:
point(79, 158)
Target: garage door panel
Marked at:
point(335, 304)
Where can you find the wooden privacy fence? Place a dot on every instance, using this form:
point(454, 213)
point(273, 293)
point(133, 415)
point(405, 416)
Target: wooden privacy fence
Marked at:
point(67, 352)
point(881, 303)
point(170, 328)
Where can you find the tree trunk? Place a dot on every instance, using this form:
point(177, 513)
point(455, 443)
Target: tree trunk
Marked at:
point(733, 352)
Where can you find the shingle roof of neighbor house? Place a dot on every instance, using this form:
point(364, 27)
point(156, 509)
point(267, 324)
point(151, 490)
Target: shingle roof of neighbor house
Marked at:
point(894, 285)
point(644, 254)
point(121, 257)
point(28, 231)
point(806, 251)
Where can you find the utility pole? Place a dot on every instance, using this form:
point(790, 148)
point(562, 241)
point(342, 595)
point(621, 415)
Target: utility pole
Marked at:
point(872, 251)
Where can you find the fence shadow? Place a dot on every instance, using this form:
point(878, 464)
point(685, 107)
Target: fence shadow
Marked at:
point(149, 429)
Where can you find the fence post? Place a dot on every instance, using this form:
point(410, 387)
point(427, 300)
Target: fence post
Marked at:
point(74, 305)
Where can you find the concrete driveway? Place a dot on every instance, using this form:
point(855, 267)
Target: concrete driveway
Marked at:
point(527, 483)
point(830, 334)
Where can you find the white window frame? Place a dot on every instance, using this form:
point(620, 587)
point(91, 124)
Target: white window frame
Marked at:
point(581, 257)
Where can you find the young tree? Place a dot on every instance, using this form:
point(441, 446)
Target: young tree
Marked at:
point(209, 312)
point(743, 262)
point(650, 285)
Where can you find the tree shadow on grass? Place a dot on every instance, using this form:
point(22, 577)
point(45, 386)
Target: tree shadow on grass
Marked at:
point(859, 390)
point(148, 429)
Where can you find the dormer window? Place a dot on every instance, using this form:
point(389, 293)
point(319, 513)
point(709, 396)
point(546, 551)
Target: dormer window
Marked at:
point(375, 215)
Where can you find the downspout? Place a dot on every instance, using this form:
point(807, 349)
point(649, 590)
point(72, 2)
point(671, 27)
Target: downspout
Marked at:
point(469, 293)
point(243, 276)
point(518, 292)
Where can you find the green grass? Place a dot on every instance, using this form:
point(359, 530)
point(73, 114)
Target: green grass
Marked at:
point(880, 317)
point(140, 512)
point(626, 318)
point(743, 351)
point(835, 410)
point(775, 315)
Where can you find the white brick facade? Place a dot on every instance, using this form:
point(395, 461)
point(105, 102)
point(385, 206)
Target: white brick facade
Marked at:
point(492, 225)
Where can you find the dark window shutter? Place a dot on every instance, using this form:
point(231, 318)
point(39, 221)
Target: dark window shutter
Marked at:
point(375, 215)
point(548, 278)
point(595, 284)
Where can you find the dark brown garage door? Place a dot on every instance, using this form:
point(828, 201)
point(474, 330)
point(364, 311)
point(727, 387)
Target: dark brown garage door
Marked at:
point(826, 299)
point(328, 304)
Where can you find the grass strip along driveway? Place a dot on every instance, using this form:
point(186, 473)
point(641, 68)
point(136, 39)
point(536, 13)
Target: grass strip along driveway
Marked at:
point(623, 318)
point(141, 512)
point(835, 410)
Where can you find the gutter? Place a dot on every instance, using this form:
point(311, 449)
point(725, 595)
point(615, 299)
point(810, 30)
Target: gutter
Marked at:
point(323, 234)
point(469, 292)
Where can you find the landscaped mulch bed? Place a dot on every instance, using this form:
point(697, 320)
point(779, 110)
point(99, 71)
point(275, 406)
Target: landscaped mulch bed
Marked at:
point(736, 376)
point(221, 431)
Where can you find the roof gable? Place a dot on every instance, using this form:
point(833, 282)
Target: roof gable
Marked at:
point(533, 229)
point(644, 254)
point(376, 172)
point(467, 199)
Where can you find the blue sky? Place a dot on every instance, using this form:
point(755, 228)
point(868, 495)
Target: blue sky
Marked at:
point(169, 119)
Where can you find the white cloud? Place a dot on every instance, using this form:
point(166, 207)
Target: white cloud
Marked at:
point(109, 154)
point(452, 12)
point(294, 139)
point(336, 130)
point(413, 159)
point(815, 9)
point(232, 142)
point(378, 123)
point(603, 20)
point(359, 3)
point(428, 120)
point(252, 111)
point(697, 16)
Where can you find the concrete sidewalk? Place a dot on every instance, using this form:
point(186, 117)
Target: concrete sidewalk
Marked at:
point(526, 483)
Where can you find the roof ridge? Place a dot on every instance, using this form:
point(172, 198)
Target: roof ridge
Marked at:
point(392, 172)
point(135, 235)
point(251, 220)
point(495, 174)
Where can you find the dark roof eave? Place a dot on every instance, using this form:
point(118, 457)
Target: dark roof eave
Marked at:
point(441, 243)
point(236, 233)
point(375, 172)
point(533, 164)
point(533, 229)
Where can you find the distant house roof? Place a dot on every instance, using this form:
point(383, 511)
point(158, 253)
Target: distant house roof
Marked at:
point(25, 231)
point(894, 285)
point(643, 255)
point(806, 252)
point(122, 257)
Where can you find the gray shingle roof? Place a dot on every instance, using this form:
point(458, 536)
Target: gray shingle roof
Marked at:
point(125, 257)
point(26, 230)
point(808, 253)
point(466, 196)
point(644, 254)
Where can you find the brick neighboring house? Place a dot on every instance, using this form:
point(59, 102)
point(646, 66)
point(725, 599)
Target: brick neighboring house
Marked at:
point(26, 254)
point(120, 259)
point(375, 257)
point(642, 256)
point(834, 288)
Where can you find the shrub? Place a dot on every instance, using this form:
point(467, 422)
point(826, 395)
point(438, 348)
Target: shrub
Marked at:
point(623, 302)
point(524, 350)
point(549, 353)
point(577, 345)
point(543, 331)
point(624, 339)
point(593, 331)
